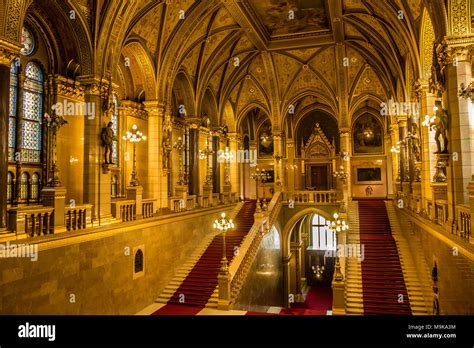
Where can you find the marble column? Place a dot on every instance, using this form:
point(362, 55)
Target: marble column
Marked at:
point(97, 181)
point(157, 178)
point(216, 164)
point(402, 135)
point(278, 165)
point(428, 150)
point(345, 136)
point(234, 165)
point(461, 132)
point(194, 187)
point(18, 135)
point(4, 110)
point(290, 167)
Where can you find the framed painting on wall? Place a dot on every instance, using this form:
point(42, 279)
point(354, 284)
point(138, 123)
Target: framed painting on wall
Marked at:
point(367, 136)
point(368, 175)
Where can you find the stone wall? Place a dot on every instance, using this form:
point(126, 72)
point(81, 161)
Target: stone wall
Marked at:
point(455, 273)
point(99, 273)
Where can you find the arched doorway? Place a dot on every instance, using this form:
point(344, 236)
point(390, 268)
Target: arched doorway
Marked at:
point(308, 263)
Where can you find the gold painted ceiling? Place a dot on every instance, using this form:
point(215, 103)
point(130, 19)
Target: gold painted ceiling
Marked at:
point(231, 56)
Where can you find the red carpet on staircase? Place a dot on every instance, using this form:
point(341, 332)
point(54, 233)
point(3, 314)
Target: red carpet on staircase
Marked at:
point(382, 276)
point(198, 286)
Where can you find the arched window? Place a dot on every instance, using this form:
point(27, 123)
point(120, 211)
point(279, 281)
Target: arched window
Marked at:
point(114, 187)
point(322, 237)
point(35, 187)
point(139, 261)
point(25, 178)
point(10, 178)
point(32, 114)
point(114, 120)
point(13, 109)
point(27, 41)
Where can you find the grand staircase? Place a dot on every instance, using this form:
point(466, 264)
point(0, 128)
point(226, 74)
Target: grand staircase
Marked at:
point(354, 290)
point(383, 283)
point(198, 289)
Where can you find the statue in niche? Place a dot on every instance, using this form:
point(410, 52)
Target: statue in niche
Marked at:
point(166, 149)
point(415, 142)
point(440, 124)
point(108, 138)
point(205, 121)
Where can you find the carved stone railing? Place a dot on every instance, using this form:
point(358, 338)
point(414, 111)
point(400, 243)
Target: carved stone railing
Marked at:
point(76, 218)
point(176, 204)
point(463, 220)
point(34, 221)
point(228, 197)
point(124, 210)
point(229, 286)
point(311, 197)
point(441, 212)
point(205, 200)
point(191, 202)
point(148, 208)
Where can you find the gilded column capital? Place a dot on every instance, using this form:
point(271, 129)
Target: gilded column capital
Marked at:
point(95, 85)
point(8, 52)
point(66, 87)
point(155, 107)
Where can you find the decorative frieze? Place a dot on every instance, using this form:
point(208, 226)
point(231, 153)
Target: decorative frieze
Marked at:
point(68, 88)
point(8, 52)
point(133, 109)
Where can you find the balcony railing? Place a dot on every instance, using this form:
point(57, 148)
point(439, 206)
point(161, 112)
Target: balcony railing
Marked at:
point(34, 221)
point(463, 219)
point(148, 208)
point(124, 210)
point(312, 197)
point(77, 217)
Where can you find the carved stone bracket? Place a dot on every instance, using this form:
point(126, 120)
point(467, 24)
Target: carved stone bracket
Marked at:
point(8, 52)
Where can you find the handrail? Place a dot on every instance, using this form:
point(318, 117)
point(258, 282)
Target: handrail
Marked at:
point(75, 217)
point(463, 217)
point(241, 263)
point(37, 220)
point(313, 197)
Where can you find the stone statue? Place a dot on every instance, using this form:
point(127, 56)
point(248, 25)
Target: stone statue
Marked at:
point(415, 142)
point(440, 124)
point(108, 138)
point(369, 191)
point(166, 149)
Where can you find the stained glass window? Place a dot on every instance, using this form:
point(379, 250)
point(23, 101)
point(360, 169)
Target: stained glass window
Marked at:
point(32, 114)
point(13, 109)
point(27, 41)
point(9, 186)
point(114, 120)
point(24, 186)
point(35, 187)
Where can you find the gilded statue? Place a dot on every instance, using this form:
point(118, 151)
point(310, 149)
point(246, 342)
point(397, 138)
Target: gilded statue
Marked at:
point(440, 123)
point(108, 138)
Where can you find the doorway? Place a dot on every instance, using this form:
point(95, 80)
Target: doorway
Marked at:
point(319, 177)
